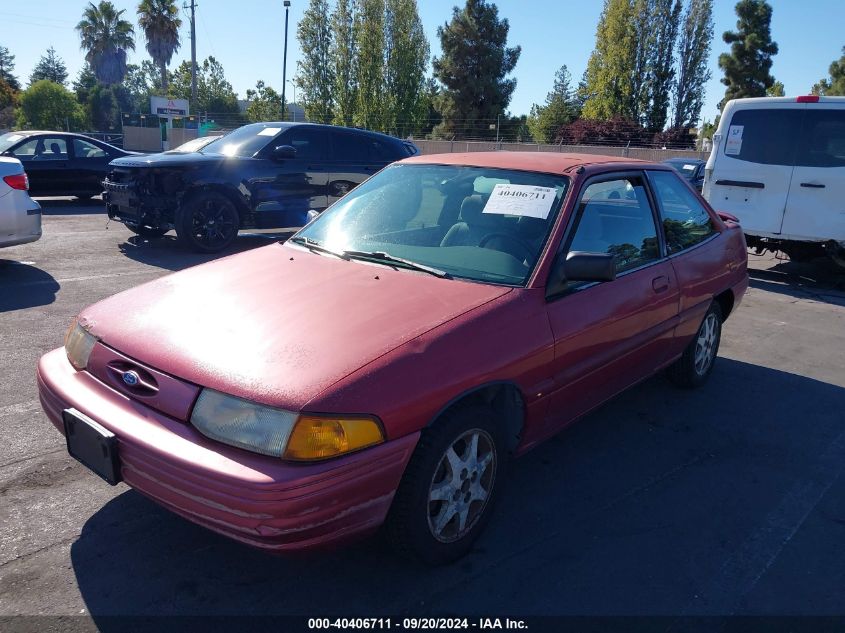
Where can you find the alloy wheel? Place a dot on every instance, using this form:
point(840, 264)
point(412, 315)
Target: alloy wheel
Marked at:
point(705, 344)
point(210, 225)
point(461, 485)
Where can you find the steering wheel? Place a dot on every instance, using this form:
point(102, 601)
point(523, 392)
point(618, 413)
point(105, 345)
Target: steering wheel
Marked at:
point(523, 246)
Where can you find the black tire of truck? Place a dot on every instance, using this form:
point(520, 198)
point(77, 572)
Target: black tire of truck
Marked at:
point(207, 222)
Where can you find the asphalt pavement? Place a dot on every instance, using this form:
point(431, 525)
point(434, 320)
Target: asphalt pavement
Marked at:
point(725, 500)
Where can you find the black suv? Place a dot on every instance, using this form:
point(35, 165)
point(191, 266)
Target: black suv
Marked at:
point(263, 175)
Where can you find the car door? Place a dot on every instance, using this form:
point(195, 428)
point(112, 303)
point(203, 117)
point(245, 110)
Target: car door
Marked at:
point(610, 335)
point(45, 159)
point(753, 163)
point(815, 208)
point(285, 189)
point(703, 263)
point(350, 163)
point(89, 165)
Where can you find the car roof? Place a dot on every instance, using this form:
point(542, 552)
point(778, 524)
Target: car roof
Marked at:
point(547, 162)
point(356, 130)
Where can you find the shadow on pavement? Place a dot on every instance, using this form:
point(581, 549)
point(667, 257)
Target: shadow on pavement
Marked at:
point(644, 507)
point(821, 281)
point(166, 252)
point(75, 206)
point(24, 286)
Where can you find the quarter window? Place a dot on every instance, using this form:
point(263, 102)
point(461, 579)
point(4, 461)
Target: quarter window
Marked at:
point(615, 217)
point(350, 148)
point(823, 139)
point(685, 221)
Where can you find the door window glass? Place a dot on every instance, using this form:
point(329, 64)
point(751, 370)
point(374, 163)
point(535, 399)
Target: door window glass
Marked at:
point(685, 221)
point(310, 143)
point(615, 217)
point(350, 148)
point(42, 149)
point(823, 139)
point(84, 149)
point(768, 136)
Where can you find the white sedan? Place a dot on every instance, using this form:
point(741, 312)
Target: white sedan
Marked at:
point(20, 215)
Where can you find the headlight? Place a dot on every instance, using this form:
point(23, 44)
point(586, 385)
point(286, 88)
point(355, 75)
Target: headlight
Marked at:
point(280, 433)
point(78, 345)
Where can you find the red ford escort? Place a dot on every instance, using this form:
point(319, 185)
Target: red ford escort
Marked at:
point(385, 363)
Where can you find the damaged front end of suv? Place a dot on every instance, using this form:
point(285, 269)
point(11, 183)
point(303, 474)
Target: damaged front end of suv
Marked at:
point(144, 198)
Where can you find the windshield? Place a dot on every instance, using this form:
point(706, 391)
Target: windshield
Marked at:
point(245, 141)
point(687, 169)
point(471, 222)
point(9, 139)
point(195, 145)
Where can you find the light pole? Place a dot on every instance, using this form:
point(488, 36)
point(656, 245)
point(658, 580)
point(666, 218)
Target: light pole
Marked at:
point(285, 61)
point(292, 82)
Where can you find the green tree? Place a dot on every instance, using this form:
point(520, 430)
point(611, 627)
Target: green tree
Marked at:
point(473, 69)
point(315, 77)
point(835, 84)
point(608, 90)
point(343, 54)
point(369, 65)
point(142, 81)
point(407, 59)
point(7, 69)
point(8, 102)
point(50, 67)
point(748, 64)
point(265, 104)
point(49, 106)
point(664, 17)
point(776, 90)
point(214, 93)
point(559, 109)
point(159, 19)
point(84, 83)
point(105, 37)
point(696, 34)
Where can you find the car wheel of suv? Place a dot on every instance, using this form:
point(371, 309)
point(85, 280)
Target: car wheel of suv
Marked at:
point(207, 222)
point(694, 367)
point(446, 495)
point(150, 232)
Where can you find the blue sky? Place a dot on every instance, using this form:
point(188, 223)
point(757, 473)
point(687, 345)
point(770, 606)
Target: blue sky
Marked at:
point(247, 37)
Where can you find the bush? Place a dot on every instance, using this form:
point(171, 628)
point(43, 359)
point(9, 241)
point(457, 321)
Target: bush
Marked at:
point(617, 131)
point(49, 106)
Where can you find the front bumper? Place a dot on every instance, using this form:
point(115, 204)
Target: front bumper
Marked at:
point(251, 498)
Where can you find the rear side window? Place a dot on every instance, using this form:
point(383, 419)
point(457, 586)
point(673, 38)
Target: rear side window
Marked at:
point(616, 218)
point(767, 137)
point(822, 141)
point(685, 221)
point(381, 152)
point(350, 148)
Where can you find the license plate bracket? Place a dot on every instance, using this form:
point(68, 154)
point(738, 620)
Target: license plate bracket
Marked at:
point(92, 445)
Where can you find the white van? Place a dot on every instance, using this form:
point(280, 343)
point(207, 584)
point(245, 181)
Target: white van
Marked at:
point(778, 164)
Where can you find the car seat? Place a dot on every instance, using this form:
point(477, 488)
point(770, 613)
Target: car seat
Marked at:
point(473, 225)
point(55, 149)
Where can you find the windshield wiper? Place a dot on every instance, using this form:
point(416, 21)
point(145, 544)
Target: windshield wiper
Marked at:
point(387, 257)
point(314, 245)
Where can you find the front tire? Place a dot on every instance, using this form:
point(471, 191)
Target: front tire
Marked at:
point(207, 223)
point(693, 368)
point(447, 493)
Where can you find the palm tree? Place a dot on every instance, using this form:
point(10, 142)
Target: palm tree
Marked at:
point(105, 38)
point(160, 21)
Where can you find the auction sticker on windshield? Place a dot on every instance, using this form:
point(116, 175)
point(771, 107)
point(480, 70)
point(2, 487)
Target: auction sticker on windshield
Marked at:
point(270, 131)
point(524, 200)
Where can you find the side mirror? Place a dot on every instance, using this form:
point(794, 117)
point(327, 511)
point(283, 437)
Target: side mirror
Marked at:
point(284, 151)
point(580, 266)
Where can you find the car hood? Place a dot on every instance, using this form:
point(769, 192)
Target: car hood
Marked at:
point(168, 160)
point(278, 324)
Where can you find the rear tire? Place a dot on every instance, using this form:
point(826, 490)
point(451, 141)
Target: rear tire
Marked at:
point(447, 493)
point(693, 368)
point(207, 222)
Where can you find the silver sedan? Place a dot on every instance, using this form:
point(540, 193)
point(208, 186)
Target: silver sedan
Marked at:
point(20, 215)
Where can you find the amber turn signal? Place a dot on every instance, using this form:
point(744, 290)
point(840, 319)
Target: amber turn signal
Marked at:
point(317, 437)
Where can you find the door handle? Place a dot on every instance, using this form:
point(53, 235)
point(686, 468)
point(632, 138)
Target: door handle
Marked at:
point(660, 284)
point(812, 185)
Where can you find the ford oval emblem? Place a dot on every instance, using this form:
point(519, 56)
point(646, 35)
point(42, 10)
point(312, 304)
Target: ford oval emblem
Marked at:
point(131, 378)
